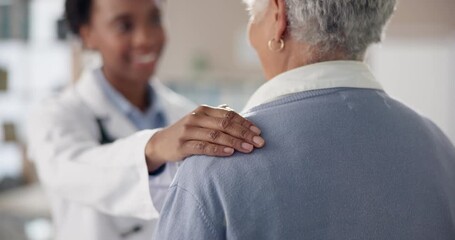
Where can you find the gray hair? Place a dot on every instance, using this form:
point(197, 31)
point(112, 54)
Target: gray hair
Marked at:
point(347, 25)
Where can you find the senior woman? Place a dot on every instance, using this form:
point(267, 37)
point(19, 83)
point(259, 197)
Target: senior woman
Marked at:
point(343, 160)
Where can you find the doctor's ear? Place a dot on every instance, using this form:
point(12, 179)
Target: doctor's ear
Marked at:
point(85, 32)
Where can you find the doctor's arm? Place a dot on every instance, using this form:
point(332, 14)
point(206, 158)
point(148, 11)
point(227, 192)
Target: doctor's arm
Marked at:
point(73, 165)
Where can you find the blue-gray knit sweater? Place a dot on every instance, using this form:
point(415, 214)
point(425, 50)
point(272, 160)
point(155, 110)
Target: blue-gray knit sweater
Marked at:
point(338, 164)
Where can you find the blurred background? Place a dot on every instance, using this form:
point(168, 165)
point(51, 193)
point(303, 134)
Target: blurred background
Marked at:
point(208, 59)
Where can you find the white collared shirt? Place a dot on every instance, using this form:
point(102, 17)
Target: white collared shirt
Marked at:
point(324, 75)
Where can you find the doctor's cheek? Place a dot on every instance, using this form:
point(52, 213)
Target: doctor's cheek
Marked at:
point(205, 131)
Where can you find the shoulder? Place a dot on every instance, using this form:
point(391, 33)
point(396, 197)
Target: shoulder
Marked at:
point(57, 116)
point(62, 111)
point(194, 170)
point(441, 138)
point(73, 99)
point(63, 105)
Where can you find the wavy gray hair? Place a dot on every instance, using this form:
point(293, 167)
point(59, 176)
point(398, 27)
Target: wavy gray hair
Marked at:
point(347, 25)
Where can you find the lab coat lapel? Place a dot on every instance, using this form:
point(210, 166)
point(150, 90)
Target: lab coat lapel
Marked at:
point(117, 125)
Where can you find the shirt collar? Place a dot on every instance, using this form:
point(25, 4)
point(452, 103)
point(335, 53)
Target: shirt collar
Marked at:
point(120, 101)
point(333, 74)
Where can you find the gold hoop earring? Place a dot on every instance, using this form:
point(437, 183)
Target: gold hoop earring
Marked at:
point(274, 49)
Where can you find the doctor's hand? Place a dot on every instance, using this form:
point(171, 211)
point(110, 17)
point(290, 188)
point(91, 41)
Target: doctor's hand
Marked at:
point(206, 131)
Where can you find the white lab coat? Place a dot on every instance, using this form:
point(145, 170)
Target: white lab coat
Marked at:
point(98, 192)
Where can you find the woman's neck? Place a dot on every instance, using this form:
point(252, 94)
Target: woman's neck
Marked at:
point(297, 55)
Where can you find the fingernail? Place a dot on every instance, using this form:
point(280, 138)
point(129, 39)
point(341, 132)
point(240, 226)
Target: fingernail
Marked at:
point(258, 140)
point(247, 146)
point(228, 150)
point(255, 130)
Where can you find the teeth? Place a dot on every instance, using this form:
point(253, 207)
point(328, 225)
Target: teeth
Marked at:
point(146, 58)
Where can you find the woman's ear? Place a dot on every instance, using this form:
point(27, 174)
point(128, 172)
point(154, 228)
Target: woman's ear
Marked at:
point(87, 37)
point(280, 17)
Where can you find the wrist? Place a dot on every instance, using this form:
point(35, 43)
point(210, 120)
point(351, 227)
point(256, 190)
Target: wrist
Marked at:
point(152, 155)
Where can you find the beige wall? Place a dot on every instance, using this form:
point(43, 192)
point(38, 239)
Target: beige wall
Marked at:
point(416, 61)
point(207, 27)
point(423, 19)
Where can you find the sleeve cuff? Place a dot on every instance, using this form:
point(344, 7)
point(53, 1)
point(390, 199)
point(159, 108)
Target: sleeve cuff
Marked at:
point(158, 171)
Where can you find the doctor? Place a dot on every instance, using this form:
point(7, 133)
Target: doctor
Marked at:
point(105, 178)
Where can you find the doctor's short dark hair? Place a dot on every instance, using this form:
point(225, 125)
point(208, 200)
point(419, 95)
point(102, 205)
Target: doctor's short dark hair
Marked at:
point(77, 14)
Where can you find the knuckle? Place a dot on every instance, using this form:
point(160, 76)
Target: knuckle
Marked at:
point(200, 146)
point(181, 139)
point(201, 108)
point(233, 142)
point(244, 133)
point(229, 115)
point(213, 134)
point(247, 123)
point(185, 130)
point(189, 118)
point(214, 149)
point(225, 123)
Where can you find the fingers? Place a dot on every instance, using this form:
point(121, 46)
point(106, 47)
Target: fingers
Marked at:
point(206, 148)
point(219, 138)
point(227, 127)
point(229, 115)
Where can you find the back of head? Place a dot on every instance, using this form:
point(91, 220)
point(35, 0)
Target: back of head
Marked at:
point(351, 25)
point(326, 25)
point(77, 13)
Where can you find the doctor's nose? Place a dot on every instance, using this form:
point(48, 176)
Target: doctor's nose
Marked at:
point(147, 37)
